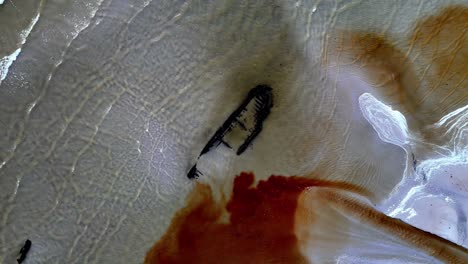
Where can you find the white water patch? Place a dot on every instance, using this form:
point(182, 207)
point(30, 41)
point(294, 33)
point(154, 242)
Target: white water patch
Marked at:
point(389, 124)
point(8, 60)
point(434, 192)
point(1, 2)
point(433, 213)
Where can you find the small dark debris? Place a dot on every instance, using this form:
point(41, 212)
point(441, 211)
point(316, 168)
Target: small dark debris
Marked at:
point(193, 172)
point(424, 177)
point(24, 251)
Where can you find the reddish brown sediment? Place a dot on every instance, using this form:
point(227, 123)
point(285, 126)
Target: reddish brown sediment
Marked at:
point(381, 65)
point(441, 40)
point(424, 77)
point(271, 223)
point(260, 227)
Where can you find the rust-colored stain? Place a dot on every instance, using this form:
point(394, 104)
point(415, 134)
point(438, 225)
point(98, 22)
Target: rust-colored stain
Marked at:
point(260, 228)
point(442, 41)
point(383, 66)
point(425, 78)
point(431, 244)
point(270, 223)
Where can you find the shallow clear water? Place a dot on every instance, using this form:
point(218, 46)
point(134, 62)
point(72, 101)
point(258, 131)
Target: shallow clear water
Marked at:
point(105, 105)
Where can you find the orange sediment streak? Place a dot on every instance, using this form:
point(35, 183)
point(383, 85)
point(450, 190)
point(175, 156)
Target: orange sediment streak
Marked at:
point(432, 244)
point(261, 223)
point(423, 76)
point(260, 227)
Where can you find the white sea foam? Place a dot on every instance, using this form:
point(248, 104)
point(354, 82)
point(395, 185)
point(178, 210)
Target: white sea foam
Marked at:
point(8, 60)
